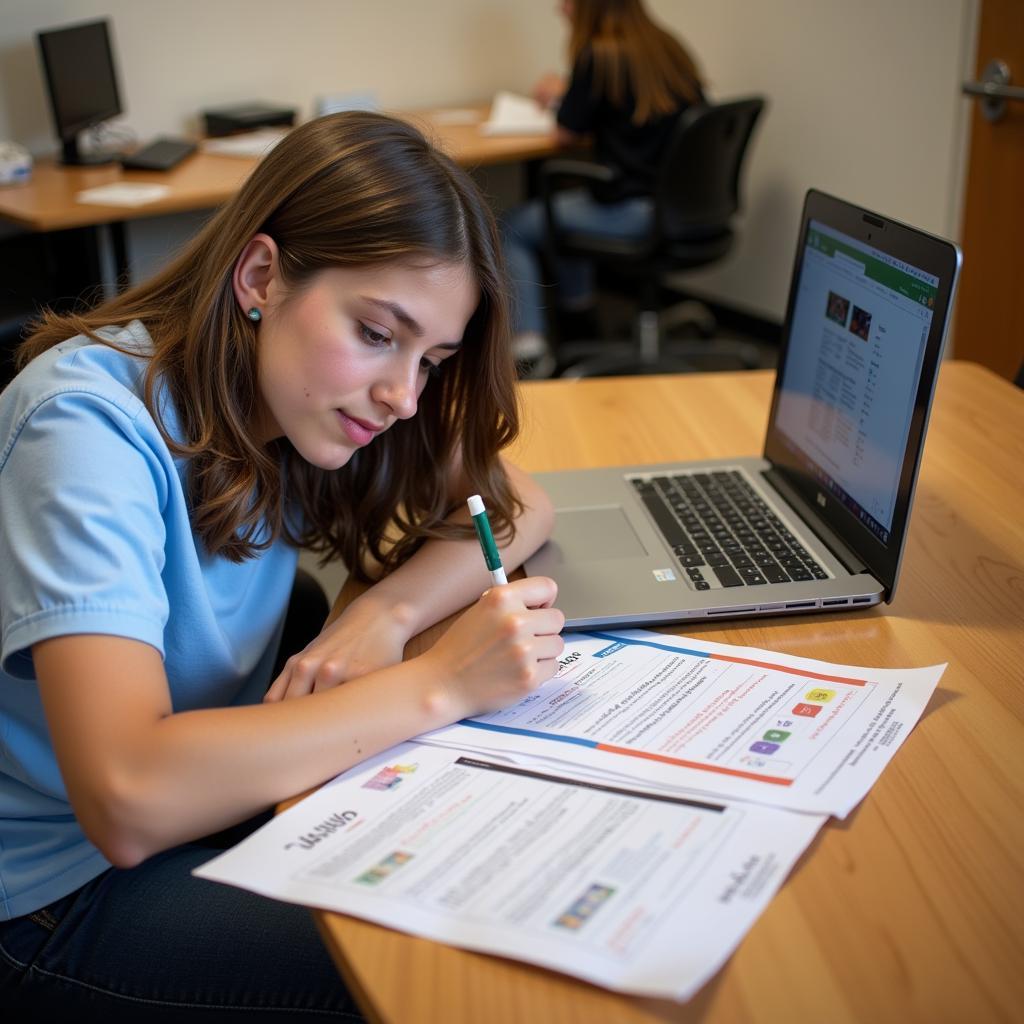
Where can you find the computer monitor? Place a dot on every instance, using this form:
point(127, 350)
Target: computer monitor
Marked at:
point(78, 62)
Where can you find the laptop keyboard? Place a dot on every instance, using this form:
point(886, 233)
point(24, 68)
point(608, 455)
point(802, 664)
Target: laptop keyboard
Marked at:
point(723, 533)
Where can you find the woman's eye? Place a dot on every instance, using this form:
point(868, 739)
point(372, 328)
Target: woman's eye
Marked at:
point(429, 368)
point(372, 337)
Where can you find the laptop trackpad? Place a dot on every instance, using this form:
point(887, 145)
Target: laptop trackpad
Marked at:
point(592, 535)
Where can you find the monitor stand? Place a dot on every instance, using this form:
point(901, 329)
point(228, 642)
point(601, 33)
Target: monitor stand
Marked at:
point(71, 155)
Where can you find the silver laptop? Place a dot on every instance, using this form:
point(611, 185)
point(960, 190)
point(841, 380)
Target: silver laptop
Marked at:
point(819, 522)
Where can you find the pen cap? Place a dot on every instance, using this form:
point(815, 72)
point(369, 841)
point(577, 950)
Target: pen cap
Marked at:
point(483, 532)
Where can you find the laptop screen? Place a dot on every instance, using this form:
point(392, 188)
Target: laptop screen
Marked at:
point(858, 334)
point(861, 345)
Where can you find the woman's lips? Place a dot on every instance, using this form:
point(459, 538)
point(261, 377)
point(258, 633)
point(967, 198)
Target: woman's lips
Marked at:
point(359, 431)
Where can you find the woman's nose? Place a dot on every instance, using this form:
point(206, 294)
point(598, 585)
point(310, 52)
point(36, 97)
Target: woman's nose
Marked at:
point(399, 392)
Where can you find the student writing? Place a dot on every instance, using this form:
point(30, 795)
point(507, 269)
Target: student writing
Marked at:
point(326, 366)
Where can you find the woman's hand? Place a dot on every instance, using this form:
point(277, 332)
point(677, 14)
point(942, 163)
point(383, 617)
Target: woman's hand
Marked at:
point(549, 90)
point(364, 638)
point(501, 648)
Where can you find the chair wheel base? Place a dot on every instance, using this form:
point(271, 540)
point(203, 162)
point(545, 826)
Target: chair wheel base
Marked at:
point(627, 366)
point(669, 357)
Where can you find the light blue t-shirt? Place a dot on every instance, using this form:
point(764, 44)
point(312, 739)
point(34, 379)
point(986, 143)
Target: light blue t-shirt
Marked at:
point(95, 537)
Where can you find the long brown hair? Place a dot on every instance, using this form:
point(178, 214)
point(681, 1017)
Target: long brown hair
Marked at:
point(630, 50)
point(348, 190)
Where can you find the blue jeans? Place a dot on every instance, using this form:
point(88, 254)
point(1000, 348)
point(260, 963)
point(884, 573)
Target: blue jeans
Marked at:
point(524, 229)
point(155, 944)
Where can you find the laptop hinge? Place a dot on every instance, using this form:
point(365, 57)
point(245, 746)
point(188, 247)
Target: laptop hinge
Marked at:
point(830, 539)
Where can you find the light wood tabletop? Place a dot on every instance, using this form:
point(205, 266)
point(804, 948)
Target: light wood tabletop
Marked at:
point(457, 131)
point(47, 201)
point(913, 908)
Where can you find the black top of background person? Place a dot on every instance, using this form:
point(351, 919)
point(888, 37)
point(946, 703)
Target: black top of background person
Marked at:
point(634, 150)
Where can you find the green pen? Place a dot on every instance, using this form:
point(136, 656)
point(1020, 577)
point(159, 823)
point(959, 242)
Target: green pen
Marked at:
point(487, 545)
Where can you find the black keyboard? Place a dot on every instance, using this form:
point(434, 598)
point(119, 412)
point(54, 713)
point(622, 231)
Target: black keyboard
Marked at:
point(723, 533)
point(160, 155)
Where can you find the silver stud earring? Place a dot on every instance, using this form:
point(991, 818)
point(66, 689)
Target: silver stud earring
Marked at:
point(254, 315)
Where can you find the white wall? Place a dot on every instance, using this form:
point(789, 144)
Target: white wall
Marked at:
point(863, 94)
point(864, 102)
point(178, 56)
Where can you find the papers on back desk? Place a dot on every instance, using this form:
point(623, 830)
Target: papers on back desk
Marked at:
point(636, 891)
point(690, 715)
point(122, 193)
point(517, 115)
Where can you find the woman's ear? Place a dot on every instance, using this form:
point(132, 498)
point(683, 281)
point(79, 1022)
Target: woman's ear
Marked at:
point(254, 273)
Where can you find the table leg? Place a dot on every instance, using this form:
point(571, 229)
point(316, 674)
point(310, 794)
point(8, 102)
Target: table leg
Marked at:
point(119, 245)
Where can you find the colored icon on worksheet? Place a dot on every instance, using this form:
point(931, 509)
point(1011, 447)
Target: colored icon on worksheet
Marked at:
point(584, 908)
point(821, 696)
point(760, 747)
point(389, 777)
point(806, 710)
point(381, 870)
point(776, 735)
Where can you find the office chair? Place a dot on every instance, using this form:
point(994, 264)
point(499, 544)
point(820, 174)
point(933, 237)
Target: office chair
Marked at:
point(695, 198)
point(12, 333)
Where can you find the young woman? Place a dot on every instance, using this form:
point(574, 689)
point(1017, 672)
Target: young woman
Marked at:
point(630, 81)
point(327, 366)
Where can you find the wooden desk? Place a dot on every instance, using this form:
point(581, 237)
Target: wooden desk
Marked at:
point(457, 133)
point(913, 908)
point(47, 204)
point(47, 201)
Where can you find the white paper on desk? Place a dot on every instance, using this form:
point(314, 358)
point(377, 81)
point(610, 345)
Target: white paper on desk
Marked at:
point(517, 115)
point(637, 892)
point(248, 144)
point(738, 722)
point(122, 193)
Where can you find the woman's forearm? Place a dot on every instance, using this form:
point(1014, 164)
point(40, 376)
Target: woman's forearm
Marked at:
point(145, 779)
point(204, 768)
point(142, 778)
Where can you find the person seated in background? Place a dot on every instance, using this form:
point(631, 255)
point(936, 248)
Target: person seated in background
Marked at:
point(630, 81)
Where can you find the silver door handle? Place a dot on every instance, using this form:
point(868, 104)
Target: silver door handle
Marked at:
point(1006, 92)
point(994, 89)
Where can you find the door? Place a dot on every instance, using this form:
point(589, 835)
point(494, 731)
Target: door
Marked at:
point(990, 307)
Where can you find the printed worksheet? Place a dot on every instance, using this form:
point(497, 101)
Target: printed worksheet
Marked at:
point(637, 891)
point(697, 716)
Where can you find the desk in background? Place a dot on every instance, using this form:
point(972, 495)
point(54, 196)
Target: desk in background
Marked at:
point(46, 203)
point(913, 908)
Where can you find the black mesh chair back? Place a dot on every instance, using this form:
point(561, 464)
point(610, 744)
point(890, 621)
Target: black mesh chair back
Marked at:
point(698, 190)
point(696, 197)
